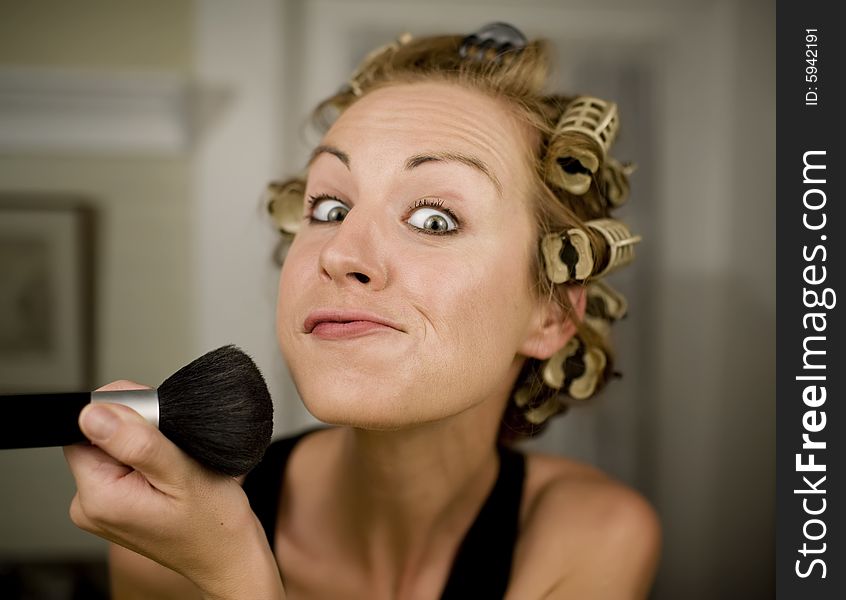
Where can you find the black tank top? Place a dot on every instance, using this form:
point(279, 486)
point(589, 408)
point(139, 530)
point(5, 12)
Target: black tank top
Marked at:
point(482, 565)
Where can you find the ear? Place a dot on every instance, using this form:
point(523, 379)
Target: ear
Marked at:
point(552, 326)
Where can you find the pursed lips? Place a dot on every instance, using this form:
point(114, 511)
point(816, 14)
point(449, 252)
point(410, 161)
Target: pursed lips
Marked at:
point(338, 323)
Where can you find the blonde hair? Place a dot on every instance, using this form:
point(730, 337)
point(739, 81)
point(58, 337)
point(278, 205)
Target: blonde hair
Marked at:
point(517, 77)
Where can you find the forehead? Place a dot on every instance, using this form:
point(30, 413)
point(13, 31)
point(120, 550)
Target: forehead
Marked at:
point(395, 122)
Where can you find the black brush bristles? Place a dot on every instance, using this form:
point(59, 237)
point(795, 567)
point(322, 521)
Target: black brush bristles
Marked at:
point(218, 410)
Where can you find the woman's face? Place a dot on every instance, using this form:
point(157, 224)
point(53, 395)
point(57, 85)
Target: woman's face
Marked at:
point(406, 295)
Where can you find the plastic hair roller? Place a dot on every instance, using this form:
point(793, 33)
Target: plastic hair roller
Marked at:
point(606, 302)
point(537, 412)
point(495, 41)
point(542, 413)
point(615, 181)
point(567, 256)
point(620, 241)
point(570, 256)
point(285, 205)
point(604, 306)
point(573, 168)
point(575, 369)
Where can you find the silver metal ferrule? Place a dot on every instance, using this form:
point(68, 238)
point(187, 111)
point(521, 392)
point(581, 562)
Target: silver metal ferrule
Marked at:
point(144, 402)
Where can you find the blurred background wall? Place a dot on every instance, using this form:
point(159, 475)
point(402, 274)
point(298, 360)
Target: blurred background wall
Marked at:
point(162, 121)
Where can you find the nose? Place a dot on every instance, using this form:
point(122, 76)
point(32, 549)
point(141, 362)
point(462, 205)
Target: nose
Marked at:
point(355, 254)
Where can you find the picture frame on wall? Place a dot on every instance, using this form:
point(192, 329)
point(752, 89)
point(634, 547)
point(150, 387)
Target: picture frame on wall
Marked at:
point(46, 295)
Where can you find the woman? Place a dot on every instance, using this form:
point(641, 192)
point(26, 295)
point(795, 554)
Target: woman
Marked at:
point(432, 304)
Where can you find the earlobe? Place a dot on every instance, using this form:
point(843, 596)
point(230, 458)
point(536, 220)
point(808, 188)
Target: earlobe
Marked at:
point(555, 325)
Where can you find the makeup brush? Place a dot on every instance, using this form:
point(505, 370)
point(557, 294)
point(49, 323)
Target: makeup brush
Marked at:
point(217, 409)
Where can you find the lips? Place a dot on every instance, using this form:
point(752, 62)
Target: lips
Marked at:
point(339, 321)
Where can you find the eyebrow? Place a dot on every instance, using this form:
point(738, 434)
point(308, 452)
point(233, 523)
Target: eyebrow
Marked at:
point(340, 154)
point(417, 160)
point(464, 159)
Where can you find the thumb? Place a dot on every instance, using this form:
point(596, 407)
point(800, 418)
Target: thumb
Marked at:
point(127, 437)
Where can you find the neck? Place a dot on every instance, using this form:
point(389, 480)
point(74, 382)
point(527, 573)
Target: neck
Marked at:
point(406, 493)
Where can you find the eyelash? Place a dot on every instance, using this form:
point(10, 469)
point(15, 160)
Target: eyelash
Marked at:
point(312, 200)
point(438, 204)
point(435, 203)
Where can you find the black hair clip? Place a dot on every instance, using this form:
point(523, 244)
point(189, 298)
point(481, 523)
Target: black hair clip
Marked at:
point(492, 41)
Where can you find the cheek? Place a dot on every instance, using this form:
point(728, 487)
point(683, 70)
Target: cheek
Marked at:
point(479, 306)
point(294, 271)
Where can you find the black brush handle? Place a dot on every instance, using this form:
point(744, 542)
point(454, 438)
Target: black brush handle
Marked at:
point(36, 420)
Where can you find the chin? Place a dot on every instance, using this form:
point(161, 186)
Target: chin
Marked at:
point(376, 407)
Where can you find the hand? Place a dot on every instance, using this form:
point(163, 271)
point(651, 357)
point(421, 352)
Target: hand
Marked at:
point(138, 489)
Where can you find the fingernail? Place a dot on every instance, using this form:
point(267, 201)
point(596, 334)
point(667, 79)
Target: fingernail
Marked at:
point(100, 423)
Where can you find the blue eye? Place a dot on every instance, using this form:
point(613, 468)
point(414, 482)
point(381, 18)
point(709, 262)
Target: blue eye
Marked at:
point(327, 208)
point(432, 220)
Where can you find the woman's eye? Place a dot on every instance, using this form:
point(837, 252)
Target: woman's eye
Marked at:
point(329, 209)
point(432, 220)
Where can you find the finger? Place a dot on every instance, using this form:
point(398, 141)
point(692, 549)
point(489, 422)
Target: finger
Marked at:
point(121, 385)
point(90, 463)
point(102, 484)
point(127, 437)
point(85, 459)
point(102, 458)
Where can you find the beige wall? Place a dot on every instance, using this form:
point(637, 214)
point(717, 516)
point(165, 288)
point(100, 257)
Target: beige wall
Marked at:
point(142, 321)
point(97, 34)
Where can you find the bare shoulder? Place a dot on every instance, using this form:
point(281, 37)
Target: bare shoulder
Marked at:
point(583, 534)
point(136, 577)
